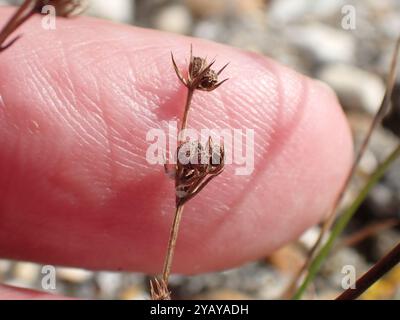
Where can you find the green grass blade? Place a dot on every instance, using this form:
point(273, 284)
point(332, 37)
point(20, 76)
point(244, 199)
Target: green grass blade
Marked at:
point(342, 222)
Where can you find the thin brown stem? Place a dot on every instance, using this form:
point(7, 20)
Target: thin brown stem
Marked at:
point(21, 15)
point(27, 9)
point(173, 236)
point(189, 98)
point(190, 178)
point(367, 232)
point(172, 243)
point(372, 275)
point(179, 207)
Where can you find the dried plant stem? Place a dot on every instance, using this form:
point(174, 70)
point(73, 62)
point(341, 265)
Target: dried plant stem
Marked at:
point(20, 16)
point(191, 177)
point(383, 109)
point(342, 222)
point(187, 109)
point(172, 243)
point(179, 207)
point(384, 265)
point(28, 8)
point(366, 232)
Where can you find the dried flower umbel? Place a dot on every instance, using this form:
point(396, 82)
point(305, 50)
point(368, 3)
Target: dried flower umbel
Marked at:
point(200, 76)
point(197, 164)
point(204, 164)
point(64, 8)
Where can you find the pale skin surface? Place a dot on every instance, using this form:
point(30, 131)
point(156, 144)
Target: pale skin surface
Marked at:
point(75, 187)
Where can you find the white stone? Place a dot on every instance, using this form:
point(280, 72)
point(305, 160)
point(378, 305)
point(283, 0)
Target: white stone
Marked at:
point(174, 18)
point(109, 283)
point(27, 272)
point(355, 87)
point(289, 11)
point(368, 162)
point(322, 42)
point(5, 265)
point(73, 275)
point(310, 237)
point(115, 10)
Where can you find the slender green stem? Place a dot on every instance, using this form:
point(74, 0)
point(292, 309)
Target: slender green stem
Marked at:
point(342, 222)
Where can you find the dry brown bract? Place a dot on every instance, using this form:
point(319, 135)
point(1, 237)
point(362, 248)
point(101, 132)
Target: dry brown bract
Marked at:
point(200, 75)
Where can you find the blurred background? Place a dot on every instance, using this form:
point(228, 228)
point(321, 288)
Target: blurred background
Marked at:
point(347, 44)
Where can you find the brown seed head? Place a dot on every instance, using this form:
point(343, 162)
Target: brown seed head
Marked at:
point(200, 74)
point(208, 81)
point(201, 164)
point(195, 67)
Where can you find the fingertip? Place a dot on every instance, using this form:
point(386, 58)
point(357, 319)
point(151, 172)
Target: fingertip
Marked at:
point(98, 94)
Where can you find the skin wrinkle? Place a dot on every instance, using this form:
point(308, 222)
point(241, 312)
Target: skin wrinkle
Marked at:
point(111, 147)
point(73, 123)
point(71, 97)
point(120, 49)
point(131, 101)
point(247, 101)
point(237, 120)
point(112, 151)
point(67, 69)
point(107, 119)
point(285, 221)
point(261, 165)
point(289, 123)
point(143, 89)
point(139, 109)
point(89, 133)
point(14, 175)
point(89, 44)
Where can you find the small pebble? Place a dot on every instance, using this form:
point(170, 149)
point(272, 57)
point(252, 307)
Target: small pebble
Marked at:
point(288, 260)
point(356, 88)
point(73, 275)
point(115, 10)
point(134, 293)
point(27, 272)
point(322, 43)
point(174, 18)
